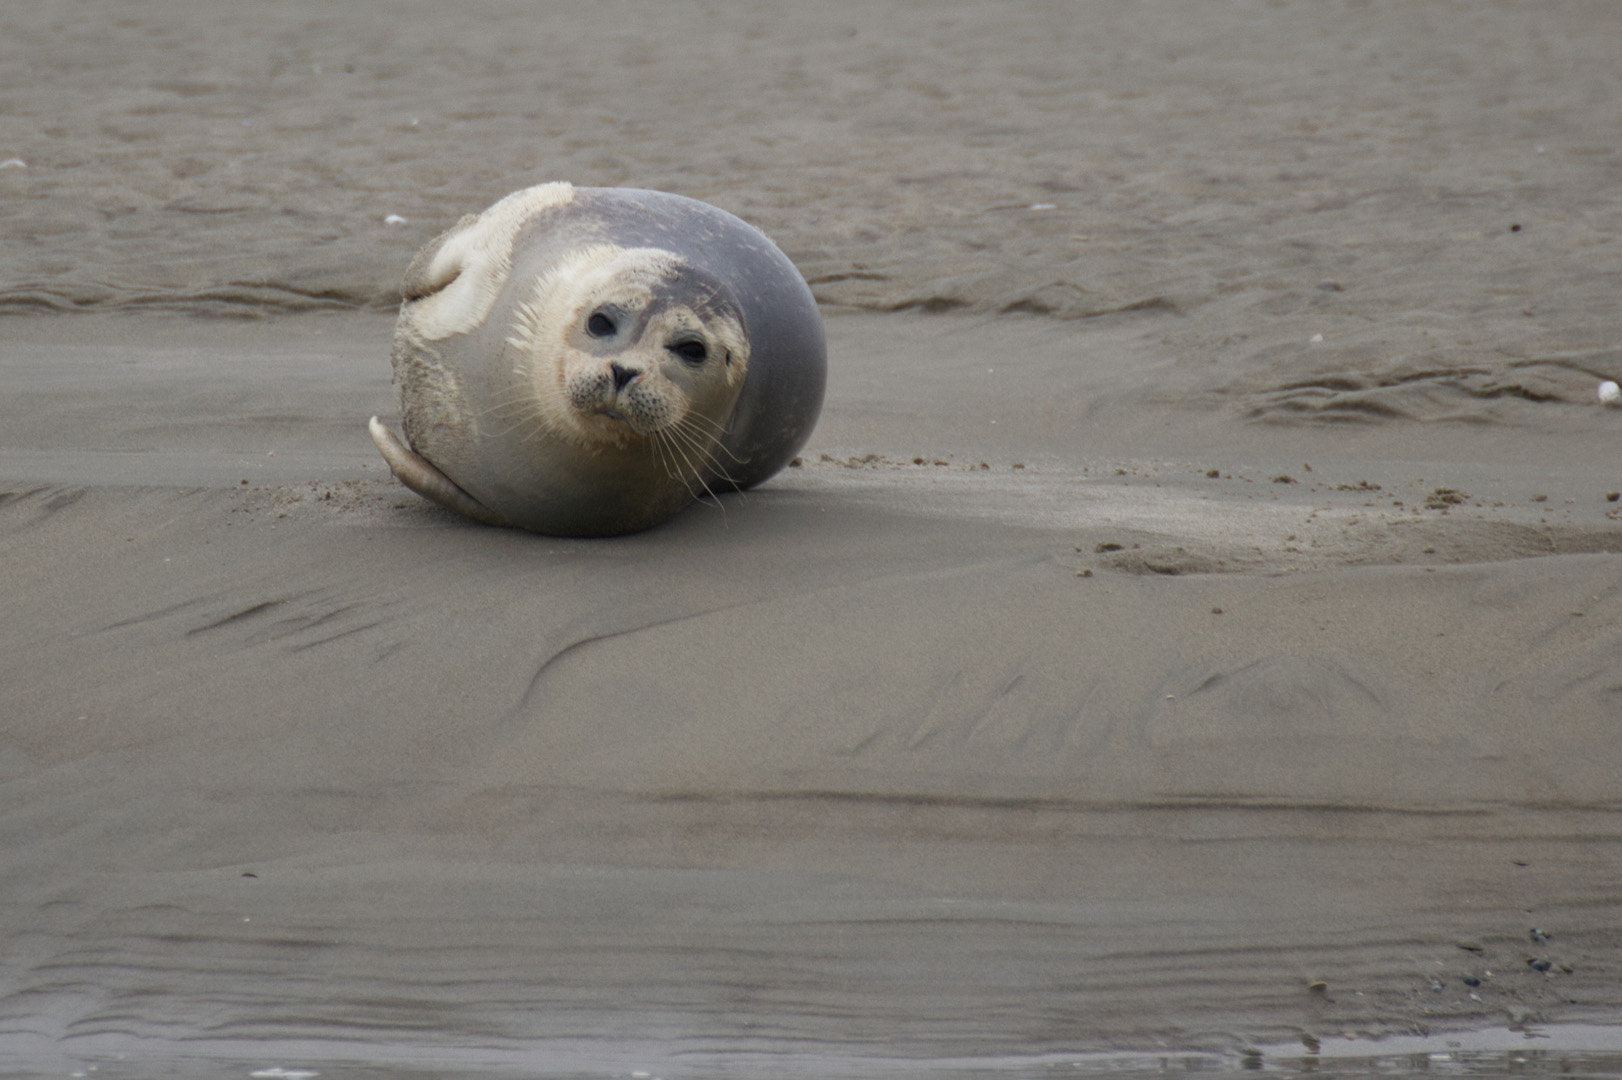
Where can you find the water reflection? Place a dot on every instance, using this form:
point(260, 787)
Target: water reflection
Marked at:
point(1567, 1052)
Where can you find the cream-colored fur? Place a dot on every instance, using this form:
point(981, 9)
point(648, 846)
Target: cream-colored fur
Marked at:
point(462, 278)
point(570, 390)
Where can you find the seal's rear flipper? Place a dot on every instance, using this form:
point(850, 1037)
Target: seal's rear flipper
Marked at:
point(416, 473)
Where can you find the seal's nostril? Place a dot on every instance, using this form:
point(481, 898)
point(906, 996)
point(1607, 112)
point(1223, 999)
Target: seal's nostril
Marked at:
point(622, 375)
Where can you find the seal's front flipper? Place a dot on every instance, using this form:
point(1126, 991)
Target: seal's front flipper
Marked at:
point(416, 473)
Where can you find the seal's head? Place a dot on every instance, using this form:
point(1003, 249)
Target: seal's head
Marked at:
point(620, 345)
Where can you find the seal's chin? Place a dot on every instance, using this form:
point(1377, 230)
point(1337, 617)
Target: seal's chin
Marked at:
point(609, 423)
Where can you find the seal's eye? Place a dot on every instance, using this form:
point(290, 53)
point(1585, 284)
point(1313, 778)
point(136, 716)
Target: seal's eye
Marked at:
point(600, 325)
point(691, 351)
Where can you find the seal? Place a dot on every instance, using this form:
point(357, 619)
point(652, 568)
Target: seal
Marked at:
point(589, 361)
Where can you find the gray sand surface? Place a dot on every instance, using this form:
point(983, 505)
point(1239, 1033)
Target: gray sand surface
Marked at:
point(1195, 623)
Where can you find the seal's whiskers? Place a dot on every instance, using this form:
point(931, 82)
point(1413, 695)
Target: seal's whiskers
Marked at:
point(705, 445)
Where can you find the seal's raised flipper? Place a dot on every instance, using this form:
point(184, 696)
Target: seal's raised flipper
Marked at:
point(416, 473)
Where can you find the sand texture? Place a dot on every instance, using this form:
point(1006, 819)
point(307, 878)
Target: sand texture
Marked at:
point(1195, 624)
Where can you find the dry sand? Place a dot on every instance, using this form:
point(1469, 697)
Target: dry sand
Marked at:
point(1196, 622)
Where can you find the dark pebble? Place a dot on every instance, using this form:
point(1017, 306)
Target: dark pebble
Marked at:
point(1471, 980)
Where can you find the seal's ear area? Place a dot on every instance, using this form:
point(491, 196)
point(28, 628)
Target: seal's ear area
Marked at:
point(732, 342)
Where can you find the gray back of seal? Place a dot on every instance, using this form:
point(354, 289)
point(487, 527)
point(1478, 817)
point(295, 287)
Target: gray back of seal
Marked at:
point(788, 356)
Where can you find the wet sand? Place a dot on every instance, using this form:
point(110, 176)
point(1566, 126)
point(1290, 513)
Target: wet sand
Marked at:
point(1122, 667)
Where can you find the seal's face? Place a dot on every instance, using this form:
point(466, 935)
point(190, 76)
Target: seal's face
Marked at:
point(620, 345)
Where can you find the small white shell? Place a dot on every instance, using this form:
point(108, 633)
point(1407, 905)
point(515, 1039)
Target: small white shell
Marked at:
point(394, 219)
point(1610, 393)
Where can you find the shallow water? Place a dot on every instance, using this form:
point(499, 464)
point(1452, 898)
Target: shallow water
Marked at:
point(1567, 1051)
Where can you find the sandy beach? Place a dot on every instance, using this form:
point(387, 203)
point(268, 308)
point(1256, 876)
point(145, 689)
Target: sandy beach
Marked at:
point(1194, 628)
